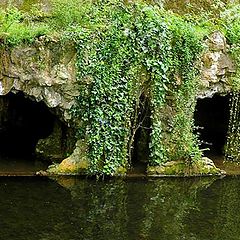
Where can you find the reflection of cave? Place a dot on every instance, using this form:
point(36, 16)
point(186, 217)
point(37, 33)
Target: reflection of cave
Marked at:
point(142, 136)
point(22, 123)
point(211, 119)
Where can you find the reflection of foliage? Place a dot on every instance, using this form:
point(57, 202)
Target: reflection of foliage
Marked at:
point(101, 208)
point(169, 203)
point(218, 215)
point(114, 210)
point(169, 209)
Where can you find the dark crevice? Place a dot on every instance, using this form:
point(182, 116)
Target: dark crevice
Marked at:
point(22, 123)
point(211, 121)
point(140, 155)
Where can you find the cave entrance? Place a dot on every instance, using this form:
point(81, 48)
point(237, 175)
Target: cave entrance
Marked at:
point(141, 151)
point(22, 123)
point(211, 120)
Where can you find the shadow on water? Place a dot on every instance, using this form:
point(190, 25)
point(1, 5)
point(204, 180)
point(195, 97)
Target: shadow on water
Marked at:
point(25, 166)
point(73, 208)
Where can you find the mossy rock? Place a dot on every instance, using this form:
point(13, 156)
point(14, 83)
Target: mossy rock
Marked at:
point(76, 164)
point(69, 167)
point(203, 167)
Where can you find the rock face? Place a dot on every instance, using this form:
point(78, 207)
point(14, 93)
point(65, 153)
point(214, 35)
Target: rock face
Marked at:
point(76, 163)
point(216, 66)
point(44, 72)
point(58, 144)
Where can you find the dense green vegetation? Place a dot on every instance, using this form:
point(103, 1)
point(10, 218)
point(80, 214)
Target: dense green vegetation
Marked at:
point(127, 53)
point(133, 51)
point(232, 151)
point(231, 23)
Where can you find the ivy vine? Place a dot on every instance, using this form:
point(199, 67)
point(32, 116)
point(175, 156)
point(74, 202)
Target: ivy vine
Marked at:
point(137, 45)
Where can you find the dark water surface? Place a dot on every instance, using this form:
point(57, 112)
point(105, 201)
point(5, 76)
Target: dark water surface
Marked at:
point(71, 208)
point(10, 166)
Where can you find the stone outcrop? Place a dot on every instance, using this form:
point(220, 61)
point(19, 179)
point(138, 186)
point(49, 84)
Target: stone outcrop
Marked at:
point(44, 72)
point(179, 168)
point(58, 144)
point(76, 163)
point(216, 66)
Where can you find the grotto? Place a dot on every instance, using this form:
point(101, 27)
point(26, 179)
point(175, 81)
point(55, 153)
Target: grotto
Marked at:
point(119, 119)
point(212, 120)
point(31, 134)
point(23, 123)
point(141, 137)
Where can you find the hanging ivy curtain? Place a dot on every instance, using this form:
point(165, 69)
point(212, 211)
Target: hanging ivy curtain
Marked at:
point(233, 139)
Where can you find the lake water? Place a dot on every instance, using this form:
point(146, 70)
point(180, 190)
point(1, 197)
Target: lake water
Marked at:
point(37, 208)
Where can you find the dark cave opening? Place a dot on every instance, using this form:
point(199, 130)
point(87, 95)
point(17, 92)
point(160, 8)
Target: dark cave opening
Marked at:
point(141, 151)
point(211, 121)
point(22, 123)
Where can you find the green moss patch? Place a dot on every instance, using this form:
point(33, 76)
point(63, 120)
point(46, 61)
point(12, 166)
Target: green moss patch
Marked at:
point(203, 167)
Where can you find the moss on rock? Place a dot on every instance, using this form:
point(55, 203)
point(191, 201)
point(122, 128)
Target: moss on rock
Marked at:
point(76, 163)
point(203, 167)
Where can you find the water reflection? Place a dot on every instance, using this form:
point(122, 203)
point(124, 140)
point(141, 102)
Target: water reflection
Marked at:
point(154, 209)
point(72, 208)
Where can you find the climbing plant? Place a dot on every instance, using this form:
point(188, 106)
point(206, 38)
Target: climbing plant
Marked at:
point(127, 47)
point(232, 151)
point(231, 26)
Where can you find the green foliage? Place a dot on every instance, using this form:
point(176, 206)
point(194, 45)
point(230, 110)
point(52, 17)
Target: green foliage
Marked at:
point(107, 69)
point(230, 20)
point(70, 13)
point(182, 86)
point(134, 39)
point(15, 27)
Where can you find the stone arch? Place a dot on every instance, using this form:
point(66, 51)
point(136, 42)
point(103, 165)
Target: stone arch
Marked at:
point(43, 74)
